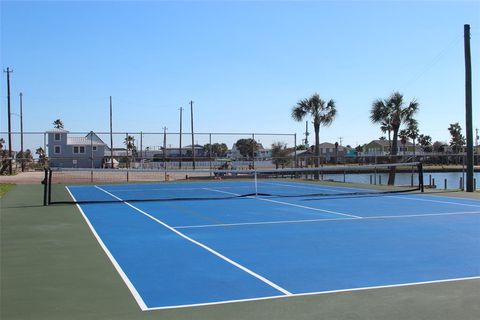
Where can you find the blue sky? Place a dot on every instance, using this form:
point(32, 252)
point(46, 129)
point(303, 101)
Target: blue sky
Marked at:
point(244, 64)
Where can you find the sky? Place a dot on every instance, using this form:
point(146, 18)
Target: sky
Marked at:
point(245, 64)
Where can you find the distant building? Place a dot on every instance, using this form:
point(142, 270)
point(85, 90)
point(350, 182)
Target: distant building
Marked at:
point(234, 153)
point(260, 154)
point(382, 148)
point(329, 152)
point(65, 151)
point(199, 151)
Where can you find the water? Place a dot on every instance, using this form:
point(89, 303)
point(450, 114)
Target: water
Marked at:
point(453, 178)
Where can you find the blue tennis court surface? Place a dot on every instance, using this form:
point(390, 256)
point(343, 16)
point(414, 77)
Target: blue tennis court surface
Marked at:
point(190, 252)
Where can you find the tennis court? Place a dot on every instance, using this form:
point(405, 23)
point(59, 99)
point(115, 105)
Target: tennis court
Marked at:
point(185, 251)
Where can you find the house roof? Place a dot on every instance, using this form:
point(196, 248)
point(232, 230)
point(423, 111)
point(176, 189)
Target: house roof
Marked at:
point(385, 143)
point(84, 141)
point(56, 130)
point(89, 139)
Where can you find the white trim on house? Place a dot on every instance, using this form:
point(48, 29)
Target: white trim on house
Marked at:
point(55, 149)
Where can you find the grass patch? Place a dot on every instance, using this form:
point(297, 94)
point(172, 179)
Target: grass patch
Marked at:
point(5, 187)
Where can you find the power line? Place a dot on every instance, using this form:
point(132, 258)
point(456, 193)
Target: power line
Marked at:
point(457, 39)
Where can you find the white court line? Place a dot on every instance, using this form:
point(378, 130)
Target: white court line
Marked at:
point(119, 269)
point(439, 201)
point(325, 220)
point(303, 185)
point(288, 204)
point(236, 264)
point(409, 284)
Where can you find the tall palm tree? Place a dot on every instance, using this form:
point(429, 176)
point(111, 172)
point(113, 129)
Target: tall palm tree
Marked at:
point(398, 113)
point(383, 117)
point(323, 113)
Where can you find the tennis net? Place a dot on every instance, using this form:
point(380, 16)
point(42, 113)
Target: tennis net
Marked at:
point(67, 185)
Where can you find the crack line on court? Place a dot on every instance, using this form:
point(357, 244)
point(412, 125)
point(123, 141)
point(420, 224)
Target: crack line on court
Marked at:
point(288, 204)
point(216, 253)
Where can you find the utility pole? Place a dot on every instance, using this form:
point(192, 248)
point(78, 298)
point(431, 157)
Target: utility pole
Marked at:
point(193, 142)
point(341, 139)
point(21, 133)
point(111, 134)
point(10, 169)
point(180, 146)
point(165, 147)
point(468, 109)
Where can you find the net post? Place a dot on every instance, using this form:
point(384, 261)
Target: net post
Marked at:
point(45, 188)
point(420, 176)
point(49, 186)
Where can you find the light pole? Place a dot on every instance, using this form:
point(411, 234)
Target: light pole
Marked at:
point(21, 132)
point(10, 169)
point(193, 142)
point(180, 146)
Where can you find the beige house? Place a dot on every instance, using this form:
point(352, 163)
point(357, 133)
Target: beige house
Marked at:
point(382, 148)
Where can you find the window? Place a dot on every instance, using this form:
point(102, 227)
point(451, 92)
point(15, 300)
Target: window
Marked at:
point(57, 137)
point(77, 149)
point(94, 148)
point(57, 150)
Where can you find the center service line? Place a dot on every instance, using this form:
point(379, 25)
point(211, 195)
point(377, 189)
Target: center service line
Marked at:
point(221, 256)
point(289, 204)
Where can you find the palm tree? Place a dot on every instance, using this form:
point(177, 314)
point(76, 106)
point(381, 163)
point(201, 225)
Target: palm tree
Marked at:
point(42, 157)
point(458, 140)
point(383, 117)
point(397, 113)
point(58, 124)
point(130, 144)
point(386, 127)
point(425, 142)
point(403, 135)
point(322, 113)
point(412, 132)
